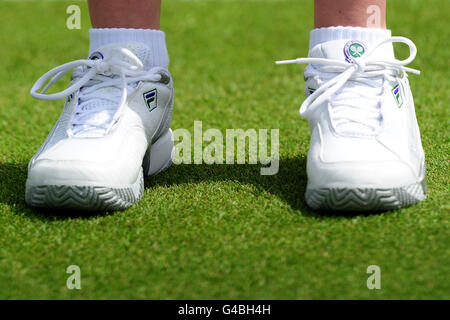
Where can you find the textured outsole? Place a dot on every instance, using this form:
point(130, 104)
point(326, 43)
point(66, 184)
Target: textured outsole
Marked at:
point(90, 198)
point(102, 198)
point(365, 199)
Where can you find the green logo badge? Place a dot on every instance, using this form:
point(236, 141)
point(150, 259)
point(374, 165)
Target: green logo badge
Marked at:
point(356, 50)
point(353, 49)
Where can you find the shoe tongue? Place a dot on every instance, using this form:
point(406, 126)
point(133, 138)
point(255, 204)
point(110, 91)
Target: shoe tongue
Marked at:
point(106, 107)
point(348, 50)
point(141, 51)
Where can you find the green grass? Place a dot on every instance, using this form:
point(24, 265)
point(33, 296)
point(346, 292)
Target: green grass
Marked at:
point(220, 231)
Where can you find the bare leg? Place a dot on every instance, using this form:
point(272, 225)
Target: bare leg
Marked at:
point(138, 14)
point(350, 13)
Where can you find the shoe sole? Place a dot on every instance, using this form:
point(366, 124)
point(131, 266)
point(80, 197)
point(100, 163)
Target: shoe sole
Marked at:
point(365, 199)
point(103, 198)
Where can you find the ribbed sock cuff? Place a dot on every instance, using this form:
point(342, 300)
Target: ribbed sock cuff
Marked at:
point(368, 35)
point(154, 39)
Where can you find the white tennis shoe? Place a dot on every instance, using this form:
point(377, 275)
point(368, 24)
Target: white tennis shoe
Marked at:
point(365, 152)
point(113, 130)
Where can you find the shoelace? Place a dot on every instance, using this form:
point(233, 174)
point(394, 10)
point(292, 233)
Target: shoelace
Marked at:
point(364, 70)
point(88, 77)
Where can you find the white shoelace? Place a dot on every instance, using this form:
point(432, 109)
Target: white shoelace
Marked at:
point(89, 77)
point(339, 92)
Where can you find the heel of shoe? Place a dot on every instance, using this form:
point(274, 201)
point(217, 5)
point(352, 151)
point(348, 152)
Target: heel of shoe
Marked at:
point(160, 154)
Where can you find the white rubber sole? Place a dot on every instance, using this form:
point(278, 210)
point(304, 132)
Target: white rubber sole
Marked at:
point(102, 197)
point(365, 199)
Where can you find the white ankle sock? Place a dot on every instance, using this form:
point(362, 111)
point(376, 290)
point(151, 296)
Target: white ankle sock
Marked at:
point(368, 35)
point(154, 39)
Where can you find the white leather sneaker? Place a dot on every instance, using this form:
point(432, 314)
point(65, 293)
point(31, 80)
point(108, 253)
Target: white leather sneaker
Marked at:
point(113, 130)
point(365, 152)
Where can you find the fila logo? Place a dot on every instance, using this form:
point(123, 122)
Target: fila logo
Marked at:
point(150, 98)
point(396, 91)
point(311, 90)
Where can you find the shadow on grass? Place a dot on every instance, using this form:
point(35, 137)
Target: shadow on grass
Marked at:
point(12, 192)
point(289, 184)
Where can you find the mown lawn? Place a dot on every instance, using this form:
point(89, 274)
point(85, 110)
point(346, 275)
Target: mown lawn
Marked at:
point(220, 231)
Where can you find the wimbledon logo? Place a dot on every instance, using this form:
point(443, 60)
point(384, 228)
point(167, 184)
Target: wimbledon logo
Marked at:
point(96, 55)
point(353, 49)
